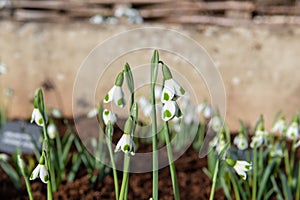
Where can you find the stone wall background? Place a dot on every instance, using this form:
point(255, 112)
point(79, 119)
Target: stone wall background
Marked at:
point(259, 65)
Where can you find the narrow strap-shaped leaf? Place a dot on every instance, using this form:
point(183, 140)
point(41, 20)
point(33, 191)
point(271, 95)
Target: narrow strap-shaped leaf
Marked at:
point(286, 189)
point(265, 179)
point(276, 188)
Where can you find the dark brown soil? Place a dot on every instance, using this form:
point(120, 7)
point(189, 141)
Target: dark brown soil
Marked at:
point(193, 184)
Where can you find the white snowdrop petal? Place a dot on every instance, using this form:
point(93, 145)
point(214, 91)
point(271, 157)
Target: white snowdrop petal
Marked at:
point(35, 173)
point(44, 176)
point(179, 91)
point(109, 95)
point(118, 97)
point(169, 110)
point(167, 95)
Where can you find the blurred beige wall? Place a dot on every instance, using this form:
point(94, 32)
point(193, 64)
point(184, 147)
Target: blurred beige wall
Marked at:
point(259, 65)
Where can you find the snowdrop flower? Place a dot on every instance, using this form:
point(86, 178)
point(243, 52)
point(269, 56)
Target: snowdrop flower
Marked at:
point(52, 130)
point(145, 105)
point(109, 116)
point(241, 142)
point(259, 138)
point(171, 89)
point(4, 157)
point(220, 146)
point(276, 151)
point(170, 110)
point(20, 162)
point(41, 171)
point(206, 110)
point(216, 123)
point(3, 69)
point(279, 126)
point(293, 131)
point(116, 94)
point(214, 142)
point(241, 167)
point(56, 113)
point(92, 113)
point(126, 143)
point(37, 117)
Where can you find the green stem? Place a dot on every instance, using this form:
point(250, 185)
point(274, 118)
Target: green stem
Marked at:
point(254, 187)
point(288, 167)
point(48, 164)
point(115, 175)
point(235, 187)
point(125, 176)
point(298, 183)
point(214, 181)
point(26, 182)
point(154, 149)
point(172, 166)
point(292, 161)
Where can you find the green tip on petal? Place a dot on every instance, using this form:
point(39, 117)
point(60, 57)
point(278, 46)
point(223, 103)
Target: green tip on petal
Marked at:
point(120, 102)
point(182, 91)
point(40, 121)
point(31, 176)
point(46, 179)
point(106, 112)
point(126, 148)
point(106, 97)
point(166, 97)
point(167, 114)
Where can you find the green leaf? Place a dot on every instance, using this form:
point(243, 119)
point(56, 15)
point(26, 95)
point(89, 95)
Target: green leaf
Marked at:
point(276, 188)
point(12, 173)
point(266, 177)
point(286, 189)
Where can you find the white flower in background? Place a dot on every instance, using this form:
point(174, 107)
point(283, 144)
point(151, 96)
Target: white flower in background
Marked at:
point(145, 106)
point(206, 110)
point(37, 117)
point(52, 130)
point(216, 123)
point(126, 144)
point(241, 141)
point(109, 116)
point(221, 146)
point(116, 95)
point(276, 151)
point(40, 171)
point(170, 110)
point(279, 126)
point(4, 157)
point(56, 113)
point(171, 89)
point(241, 167)
point(92, 113)
point(3, 69)
point(259, 138)
point(293, 131)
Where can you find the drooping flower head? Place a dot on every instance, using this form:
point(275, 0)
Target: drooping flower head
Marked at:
point(116, 93)
point(241, 167)
point(241, 141)
point(293, 130)
point(279, 126)
point(172, 90)
point(40, 171)
point(38, 114)
point(52, 130)
point(261, 135)
point(126, 143)
point(109, 116)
